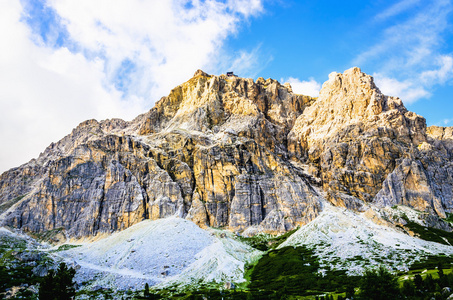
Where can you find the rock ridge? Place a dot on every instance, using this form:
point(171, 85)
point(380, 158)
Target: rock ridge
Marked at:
point(249, 156)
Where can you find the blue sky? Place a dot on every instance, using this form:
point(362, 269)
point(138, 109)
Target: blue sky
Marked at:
point(64, 61)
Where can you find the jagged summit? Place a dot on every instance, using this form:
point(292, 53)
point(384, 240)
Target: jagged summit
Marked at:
point(200, 73)
point(206, 101)
point(249, 156)
point(352, 98)
point(353, 135)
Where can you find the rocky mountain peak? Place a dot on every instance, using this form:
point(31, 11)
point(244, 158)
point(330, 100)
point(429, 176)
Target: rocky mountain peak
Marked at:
point(353, 135)
point(200, 73)
point(212, 104)
point(225, 151)
point(352, 81)
point(354, 94)
point(350, 99)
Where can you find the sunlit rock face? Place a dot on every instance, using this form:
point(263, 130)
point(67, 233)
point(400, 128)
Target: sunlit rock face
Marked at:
point(249, 156)
point(353, 136)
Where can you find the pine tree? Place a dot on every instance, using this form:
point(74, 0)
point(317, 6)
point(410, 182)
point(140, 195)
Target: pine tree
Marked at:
point(350, 289)
point(408, 288)
point(440, 269)
point(58, 285)
point(429, 283)
point(418, 281)
point(379, 285)
point(146, 291)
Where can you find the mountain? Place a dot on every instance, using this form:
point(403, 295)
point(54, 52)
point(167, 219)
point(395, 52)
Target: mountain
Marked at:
point(229, 182)
point(243, 155)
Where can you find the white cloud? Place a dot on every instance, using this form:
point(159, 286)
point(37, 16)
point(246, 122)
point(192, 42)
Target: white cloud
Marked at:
point(407, 90)
point(442, 74)
point(166, 41)
point(309, 88)
point(46, 92)
point(416, 87)
point(411, 43)
point(153, 46)
point(408, 55)
point(446, 122)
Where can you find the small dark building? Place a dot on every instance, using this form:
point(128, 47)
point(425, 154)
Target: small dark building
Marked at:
point(230, 74)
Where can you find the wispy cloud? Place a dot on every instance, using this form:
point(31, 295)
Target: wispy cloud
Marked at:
point(406, 90)
point(67, 61)
point(409, 43)
point(440, 75)
point(305, 87)
point(396, 9)
point(244, 63)
point(447, 122)
point(409, 55)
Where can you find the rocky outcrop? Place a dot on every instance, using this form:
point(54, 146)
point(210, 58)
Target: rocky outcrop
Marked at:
point(101, 186)
point(213, 151)
point(353, 136)
point(424, 180)
point(249, 156)
point(243, 185)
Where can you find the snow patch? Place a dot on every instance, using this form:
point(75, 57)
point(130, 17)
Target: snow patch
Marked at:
point(343, 239)
point(170, 251)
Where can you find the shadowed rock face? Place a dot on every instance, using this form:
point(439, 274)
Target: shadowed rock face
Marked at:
point(235, 153)
point(424, 180)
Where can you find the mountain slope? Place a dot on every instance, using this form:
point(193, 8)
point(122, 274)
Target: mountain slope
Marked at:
point(346, 240)
point(165, 252)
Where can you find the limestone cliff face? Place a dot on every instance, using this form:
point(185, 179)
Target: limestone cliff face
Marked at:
point(245, 155)
point(353, 136)
point(424, 180)
point(212, 151)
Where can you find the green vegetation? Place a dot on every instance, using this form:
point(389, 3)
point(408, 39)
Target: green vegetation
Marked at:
point(431, 262)
point(430, 285)
point(430, 234)
point(285, 273)
point(379, 284)
point(58, 285)
point(66, 247)
point(449, 218)
point(16, 267)
point(266, 242)
point(50, 236)
point(105, 294)
point(20, 275)
point(295, 271)
point(205, 292)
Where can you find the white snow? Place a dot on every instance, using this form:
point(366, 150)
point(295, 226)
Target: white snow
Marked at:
point(347, 240)
point(221, 261)
point(14, 234)
point(170, 251)
point(176, 252)
point(4, 231)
